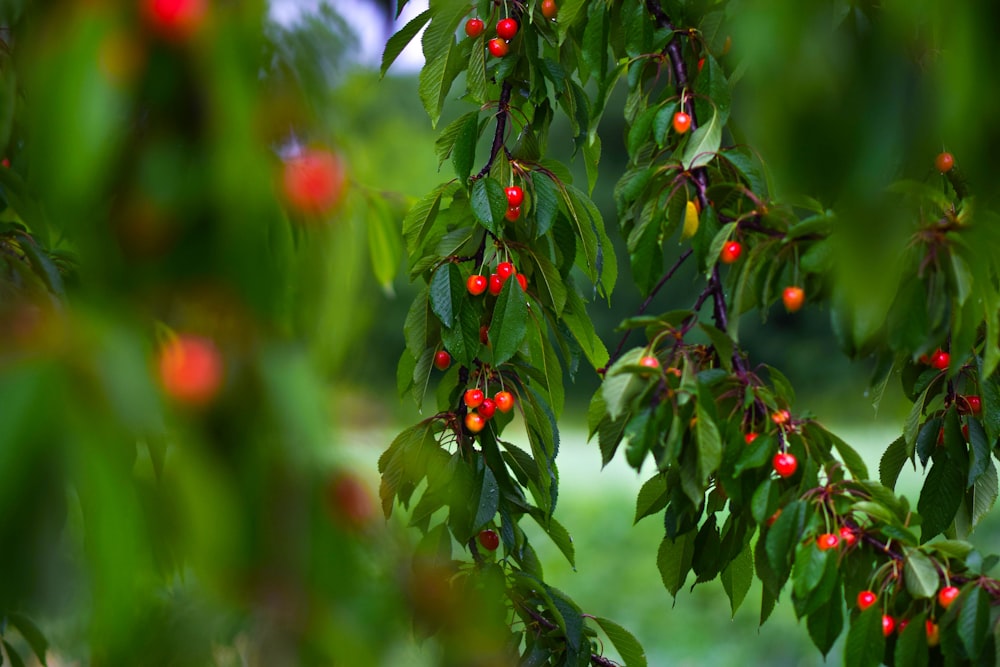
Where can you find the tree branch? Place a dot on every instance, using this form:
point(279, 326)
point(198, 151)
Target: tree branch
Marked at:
point(503, 110)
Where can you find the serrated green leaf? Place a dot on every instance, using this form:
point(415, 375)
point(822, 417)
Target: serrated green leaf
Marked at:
point(621, 386)
point(737, 576)
point(546, 202)
point(984, 493)
point(463, 154)
point(940, 498)
point(911, 647)
point(865, 642)
point(446, 293)
point(652, 497)
point(974, 620)
point(855, 464)
point(674, 561)
point(707, 436)
point(475, 79)
point(919, 573)
point(755, 454)
point(384, 245)
point(435, 80)
point(489, 204)
point(510, 322)
point(892, 462)
point(398, 42)
point(625, 643)
point(826, 623)
point(703, 144)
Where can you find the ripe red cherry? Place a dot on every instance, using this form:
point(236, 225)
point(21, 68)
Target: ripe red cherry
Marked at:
point(506, 28)
point(933, 633)
point(474, 398)
point(730, 252)
point(866, 599)
point(442, 360)
point(549, 9)
point(175, 20)
point(749, 437)
point(515, 195)
point(682, 122)
point(476, 284)
point(888, 625)
point(944, 162)
point(5, 163)
point(827, 541)
point(947, 595)
point(505, 270)
point(474, 422)
point(781, 417)
point(649, 361)
point(504, 401)
point(513, 213)
point(191, 369)
point(848, 536)
point(313, 181)
point(784, 464)
point(498, 48)
point(793, 298)
point(522, 281)
point(940, 360)
point(496, 284)
point(489, 539)
point(975, 404)
point(474, 27)
point(488, 408)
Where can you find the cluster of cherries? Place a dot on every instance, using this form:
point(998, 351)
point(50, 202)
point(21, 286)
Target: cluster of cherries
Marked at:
point(478, 283)
point(939, 359)
point(482, 409)
point(945, 597)
point(515, 197)
point(507, 29)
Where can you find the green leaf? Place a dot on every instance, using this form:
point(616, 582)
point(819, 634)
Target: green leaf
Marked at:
point(489, 500)
point(808, 569)
point(652, 497)
point(489, 204)
point(625, 643)
point(865, 642)
point(984, 493)
point(784, 535)
point(736, 577)
point(940, 498)
point(420, 219)
point(446, 293)
point(756, 454)
point(892, 462)
point(911, 647)
point(13, 655)
point(826, 623)
point(674, 561)
point(979, 448)
point(398, 42)
point(558, 534)
point(855, 464)
point(707, 433)
point(912, 425)
point(435, 81)
point(703, 144)
point(510, 322)
point(463, 155)
point(384, 245)
point(989, 389)
point(764, 502)
point(919, 573)
point(546, 202)
point(36, 640)
point(974, 620)
point(475, 79)
point(582, 327)
point(622, 385)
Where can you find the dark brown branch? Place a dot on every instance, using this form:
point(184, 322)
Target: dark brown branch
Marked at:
point(503, 110)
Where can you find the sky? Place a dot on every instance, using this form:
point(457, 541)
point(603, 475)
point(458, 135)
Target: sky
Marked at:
point(367, 24)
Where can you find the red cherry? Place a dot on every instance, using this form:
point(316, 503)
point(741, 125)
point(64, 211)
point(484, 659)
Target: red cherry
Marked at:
point(504, 401)
point(730, 252)
point(940, 360)
point(781, 417)
point(749, 437)
point(513, 213)
point(866, 599)
point(5, 163)
point(793, 298)
point(515, 195)
point(933, 633)
point(902, 625)
point(827, 541)
point(474, 398)
point(888, 625)
point(649, 361)
point(549, 9)
point(498, 48)
point(522, 280)
point(970, 405)
point(474, 27)
point(682, 122)
point(848, 536)
point(477, 284)
point(442, 360)
point(944, 162)
point(784, 464)
point(175, 20)
point(496, 284)
point(313, 181)
point(474, 422)
point(191, 369)
point(489, 539)
point(506, 28)
point(965, 432)
point(505, 270)
point(947, 595)
point(484, 335)
point(488, 408)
